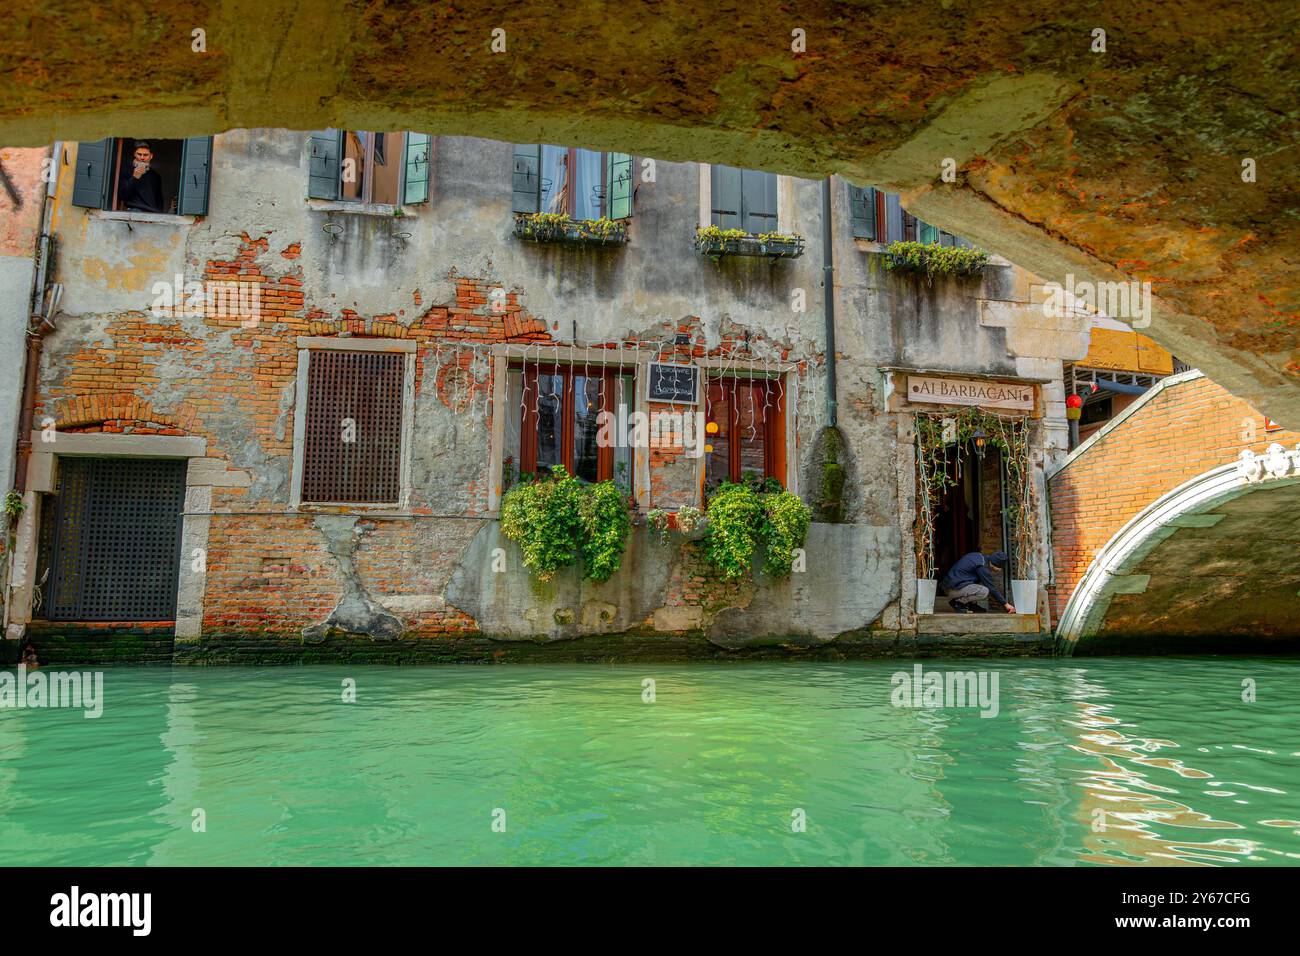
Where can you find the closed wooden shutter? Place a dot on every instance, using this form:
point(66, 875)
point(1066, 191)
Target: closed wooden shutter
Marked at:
point(619, 187)
point(419, 149)
point(90, 183)
point(758, 201)
point(324, 155)
point(725, 189)
point(196, 164)
point(893, 219)
point(862, 211)
point(353, 441)
point(526, 178)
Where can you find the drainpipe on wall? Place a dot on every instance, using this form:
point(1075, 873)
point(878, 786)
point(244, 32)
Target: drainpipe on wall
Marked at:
point(828, 298)
point(40, 309)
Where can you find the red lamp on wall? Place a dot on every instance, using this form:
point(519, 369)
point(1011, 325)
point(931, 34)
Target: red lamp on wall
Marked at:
point(1073, 407)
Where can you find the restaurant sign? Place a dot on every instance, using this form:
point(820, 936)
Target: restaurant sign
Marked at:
point(965, 391)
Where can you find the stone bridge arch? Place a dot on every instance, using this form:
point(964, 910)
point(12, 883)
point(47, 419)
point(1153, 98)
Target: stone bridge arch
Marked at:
point(1212, 562)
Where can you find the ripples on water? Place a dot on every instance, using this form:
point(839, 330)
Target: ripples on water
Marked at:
point(1113, 762)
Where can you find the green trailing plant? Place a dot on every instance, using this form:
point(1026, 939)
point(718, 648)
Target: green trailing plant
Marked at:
point(14, 506)
point(941, 438)
point(748, 515)
point(717, 232)
point(735, 517)
point(605, 525)
point(557, 520)
point(784, 530)
point(555, 225)
point(932, 259)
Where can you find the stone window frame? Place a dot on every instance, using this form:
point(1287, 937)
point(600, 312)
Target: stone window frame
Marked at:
point(307, 344)
point(787, 374)
point(202, 474)
point(638, 362)
point(784, 199)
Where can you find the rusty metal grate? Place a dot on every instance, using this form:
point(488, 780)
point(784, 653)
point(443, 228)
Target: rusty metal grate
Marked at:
point(353, 448)
point(116, 539)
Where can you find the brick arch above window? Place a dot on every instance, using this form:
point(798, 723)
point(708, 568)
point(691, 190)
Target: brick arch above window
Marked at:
point(117, 411)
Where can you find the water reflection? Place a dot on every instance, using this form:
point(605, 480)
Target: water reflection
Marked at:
point(1084, 763)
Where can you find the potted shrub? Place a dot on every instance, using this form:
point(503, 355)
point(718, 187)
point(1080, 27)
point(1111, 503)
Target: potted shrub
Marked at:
point(716, 242)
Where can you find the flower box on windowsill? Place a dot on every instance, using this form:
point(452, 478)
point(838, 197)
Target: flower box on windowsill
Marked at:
point(716, 243)
point(552, 227)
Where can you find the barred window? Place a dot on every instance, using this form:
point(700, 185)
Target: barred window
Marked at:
point(353, 438)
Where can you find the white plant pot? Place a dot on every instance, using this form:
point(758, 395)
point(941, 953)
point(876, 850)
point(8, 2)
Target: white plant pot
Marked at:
point(925, 588)
point(1024, 595)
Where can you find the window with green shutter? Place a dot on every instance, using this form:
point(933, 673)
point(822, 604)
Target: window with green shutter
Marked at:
point(743, 199)
point(324, 158)
point(578, 183)
point(90, 180)
point(196, 163)
point(419, 154)
point(391, 169)
point(163, 176)
point(862, 211)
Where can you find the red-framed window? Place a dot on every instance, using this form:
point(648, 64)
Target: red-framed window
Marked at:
point(750, 438)
point(553, 417)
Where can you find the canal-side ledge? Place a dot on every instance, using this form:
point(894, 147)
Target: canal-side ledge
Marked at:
point(61, 645)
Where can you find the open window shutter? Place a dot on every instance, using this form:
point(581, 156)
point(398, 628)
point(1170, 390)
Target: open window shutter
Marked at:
point(90, 185)
point(527, 178)
point(758, 201)
point(419, 149)
point(725, 192)
point(196, 164)
point(324, 152)
point(619, 188)
point(893, 218)
point(862, 211)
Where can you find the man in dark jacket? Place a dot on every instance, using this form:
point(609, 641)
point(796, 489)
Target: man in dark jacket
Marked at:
point(141, 188)
point(969, 581)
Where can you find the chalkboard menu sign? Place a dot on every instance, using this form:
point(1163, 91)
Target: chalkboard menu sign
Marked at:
point(673, 383)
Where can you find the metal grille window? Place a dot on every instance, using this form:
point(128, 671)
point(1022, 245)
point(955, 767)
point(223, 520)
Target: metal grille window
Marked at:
point(353, 439)
point(115, 538)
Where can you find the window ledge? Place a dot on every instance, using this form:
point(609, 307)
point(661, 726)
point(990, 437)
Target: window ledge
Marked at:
point(389, 210)
point(868, 245)
point(164, 218)
point(393, 510)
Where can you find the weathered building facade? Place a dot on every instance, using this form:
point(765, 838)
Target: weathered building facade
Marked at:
point(293, 293)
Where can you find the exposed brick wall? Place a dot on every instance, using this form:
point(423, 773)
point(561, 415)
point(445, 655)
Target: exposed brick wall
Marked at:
point(1182, 432)
point(270, 573)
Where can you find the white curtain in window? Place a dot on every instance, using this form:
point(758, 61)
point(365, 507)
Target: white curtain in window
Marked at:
point(588, 185)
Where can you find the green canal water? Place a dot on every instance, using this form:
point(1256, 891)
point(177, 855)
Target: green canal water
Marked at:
point(1100, 762)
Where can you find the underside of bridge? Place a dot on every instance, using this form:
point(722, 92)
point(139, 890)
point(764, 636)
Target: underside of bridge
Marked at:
point(1104, 141)
point(1223, 578)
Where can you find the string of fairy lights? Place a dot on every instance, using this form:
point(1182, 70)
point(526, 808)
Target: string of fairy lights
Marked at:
point(462, 376)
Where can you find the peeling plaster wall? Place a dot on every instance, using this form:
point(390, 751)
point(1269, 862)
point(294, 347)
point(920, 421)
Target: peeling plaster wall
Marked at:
point(112, 365)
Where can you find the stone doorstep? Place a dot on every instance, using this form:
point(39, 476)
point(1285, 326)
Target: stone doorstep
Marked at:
point(977, 624)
